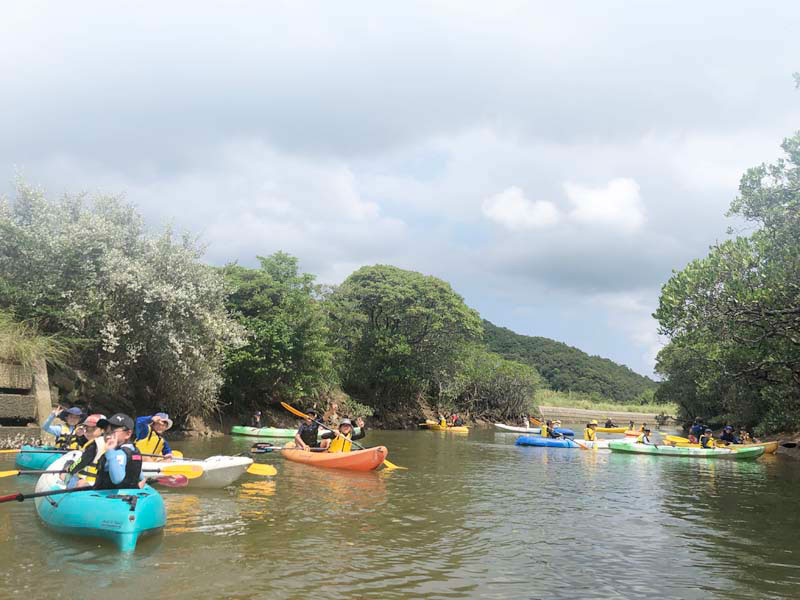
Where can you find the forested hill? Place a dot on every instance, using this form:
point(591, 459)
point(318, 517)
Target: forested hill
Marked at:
point(566, 368)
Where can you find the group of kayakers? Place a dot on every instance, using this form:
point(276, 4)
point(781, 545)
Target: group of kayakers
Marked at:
point(704, 435)
point(333, 440)
point(111, 447)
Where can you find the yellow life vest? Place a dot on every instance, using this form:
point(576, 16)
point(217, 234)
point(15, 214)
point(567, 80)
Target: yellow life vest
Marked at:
point(545, 432)
point(340, 444)
point(67, 441)
point(442, 422)
point(89, 472)
point(589, 434)
point(640, 439)
point(152, 444)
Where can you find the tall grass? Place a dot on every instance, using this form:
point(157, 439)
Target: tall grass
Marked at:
point(590, 402)
point(21, 342)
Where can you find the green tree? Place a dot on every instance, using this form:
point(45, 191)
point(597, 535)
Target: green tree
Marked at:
point(286, 355)
point(736, 312)
point(398, 330)
point(149, 318)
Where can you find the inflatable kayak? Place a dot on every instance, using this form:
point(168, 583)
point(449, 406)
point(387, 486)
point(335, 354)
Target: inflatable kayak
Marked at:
point(218, 471)
point(534, 430)
point(358, 460)
point(271, 432)
point(664, 450)
point(119, 515)
point(28, 458)
point(611, 429)
point(535, 440)
point(460, 429)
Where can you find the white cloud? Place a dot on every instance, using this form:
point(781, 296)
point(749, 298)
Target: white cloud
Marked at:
point(617, 205)
point(513, 210)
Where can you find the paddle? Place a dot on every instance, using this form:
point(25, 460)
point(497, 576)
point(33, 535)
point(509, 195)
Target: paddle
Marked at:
point(188, 471)
point(294, 411)
point(264, 447)
point(35, 451)
point(254, 469)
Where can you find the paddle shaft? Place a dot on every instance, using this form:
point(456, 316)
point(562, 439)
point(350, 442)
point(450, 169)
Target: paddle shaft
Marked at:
point(20, 497)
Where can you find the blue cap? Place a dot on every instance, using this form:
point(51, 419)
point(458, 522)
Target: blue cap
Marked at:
point(74, 411)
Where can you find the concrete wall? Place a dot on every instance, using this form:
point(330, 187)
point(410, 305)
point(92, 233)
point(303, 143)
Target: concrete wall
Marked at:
point(579, 415)
point(26, 397)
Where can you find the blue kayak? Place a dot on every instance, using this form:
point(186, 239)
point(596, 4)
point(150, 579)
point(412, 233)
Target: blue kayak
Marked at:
point(535, 440)
point(36, 460)
point(118, 515)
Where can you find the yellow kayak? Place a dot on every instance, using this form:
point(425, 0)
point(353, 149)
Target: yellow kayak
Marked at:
point(612, 429)
point(437, 427)
point(769, 447)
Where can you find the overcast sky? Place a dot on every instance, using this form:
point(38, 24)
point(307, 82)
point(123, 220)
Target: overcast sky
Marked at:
point(554, 161)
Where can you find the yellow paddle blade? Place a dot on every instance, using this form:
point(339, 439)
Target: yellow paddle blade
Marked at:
point(8, 473)
point(7, 451)
point(262, 469)
point(390, 465)
point(189, 471)
point(177, 454)
point(676, 438)
point(294, 411)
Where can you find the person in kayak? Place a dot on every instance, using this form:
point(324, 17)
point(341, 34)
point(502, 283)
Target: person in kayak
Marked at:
point(255, 420)
point(83, 472)
point(590, 433)
point(68, 436)
point(609, 422)
point(306, 436)
point(696, 430)
point(707, 439)
point(442, 420)
point(644, 438)
point(631, 426)
point(342, 441)
point(120, 466)
point(643, 427)
point(548, 430)
point(149, 438)
point(456, 421)
point(728, 437)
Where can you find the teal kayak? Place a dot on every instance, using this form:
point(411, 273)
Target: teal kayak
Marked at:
point(119, 515)
point(28, 458)
point(686, 452)
point(270, 432)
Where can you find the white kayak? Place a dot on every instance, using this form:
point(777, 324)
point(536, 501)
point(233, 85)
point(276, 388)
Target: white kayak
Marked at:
point(503, 427)
point(218, 471)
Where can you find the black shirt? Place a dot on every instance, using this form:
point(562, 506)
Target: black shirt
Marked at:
point(308, 433)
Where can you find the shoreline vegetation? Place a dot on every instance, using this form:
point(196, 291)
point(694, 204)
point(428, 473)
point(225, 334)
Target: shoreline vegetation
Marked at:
point(137, 322)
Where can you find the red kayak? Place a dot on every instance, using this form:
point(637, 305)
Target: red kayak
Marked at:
point(359, 460)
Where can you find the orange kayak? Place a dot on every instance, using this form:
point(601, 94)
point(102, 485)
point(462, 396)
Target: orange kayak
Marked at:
point(359, 460)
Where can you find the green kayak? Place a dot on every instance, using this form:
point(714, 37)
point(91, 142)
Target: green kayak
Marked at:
point(268, 432)
point(741, 454)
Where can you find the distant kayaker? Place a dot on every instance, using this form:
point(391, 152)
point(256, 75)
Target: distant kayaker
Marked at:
point(149, 438)
point(342, 441)
point(84, 471)
point(121, 465)
point(696, 430)
point(643, 427)
point(255, 420)
point(68, 437)
point(609, 422)
point(745, 436)
point(631, 426)
point(590, 433)
point(548, 430)
point(707, 439)
point(644, 438)
point(442, 420)
point(456, 421)
point(728, 436)
point(306, 436)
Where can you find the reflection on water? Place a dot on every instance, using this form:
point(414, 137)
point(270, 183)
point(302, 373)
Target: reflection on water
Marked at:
point(474, 516)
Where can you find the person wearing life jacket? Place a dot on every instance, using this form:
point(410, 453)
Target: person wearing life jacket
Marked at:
point(442, 421)
point(643, 427)
point(149, 438)
point(306, 436)
point(590, 433)
point(255, 420)
point(696, 430)
point(120, 467)
point(707, 439)
point(745, 436)
point(609, 422)
point(548, 430)
point(84, 472)
point(728, 437)
point(68, 436)
point(456, 421)
point(644, 438)
point(342, 441)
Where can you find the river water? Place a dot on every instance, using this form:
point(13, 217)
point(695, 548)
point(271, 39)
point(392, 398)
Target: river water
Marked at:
point(473, 517)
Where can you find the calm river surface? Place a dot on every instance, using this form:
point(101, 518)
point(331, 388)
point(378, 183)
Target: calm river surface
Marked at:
point(473, 517)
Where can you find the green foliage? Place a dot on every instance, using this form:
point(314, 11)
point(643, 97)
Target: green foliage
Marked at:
point(24, 344)
point(734, 316)
point(399, 331)
point(545, 397)
point(286, 356)
point(565, 368)
point(150, 316)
